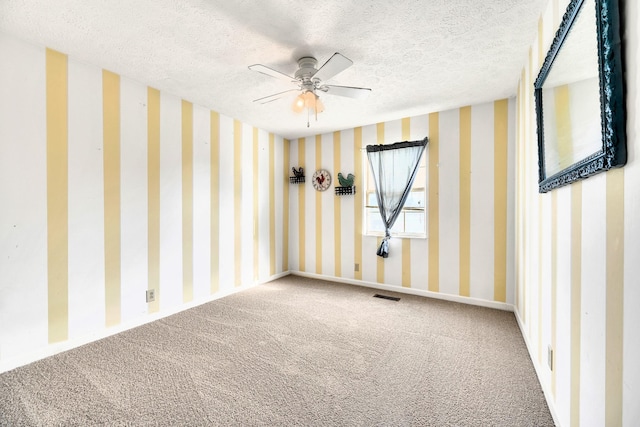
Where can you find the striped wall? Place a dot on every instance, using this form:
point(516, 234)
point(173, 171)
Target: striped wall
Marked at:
point(471, 175)
point(110, 188)
point(98, 205)
point(577, 252)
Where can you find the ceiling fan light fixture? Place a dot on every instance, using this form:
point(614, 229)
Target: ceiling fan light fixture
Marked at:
point(298, 104)
point(308, 100)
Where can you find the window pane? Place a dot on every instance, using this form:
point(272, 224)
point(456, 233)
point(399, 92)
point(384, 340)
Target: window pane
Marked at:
point(372, 200)
point(374, 221)
point(414, 222)
point(415, 199)
point(398, 227)
point(421, 176)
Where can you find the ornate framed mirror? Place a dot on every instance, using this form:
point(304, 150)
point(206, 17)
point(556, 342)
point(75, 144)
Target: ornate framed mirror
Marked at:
point(579, 94)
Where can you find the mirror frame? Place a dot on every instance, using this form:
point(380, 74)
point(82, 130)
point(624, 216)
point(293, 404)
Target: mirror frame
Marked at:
point(612, 103)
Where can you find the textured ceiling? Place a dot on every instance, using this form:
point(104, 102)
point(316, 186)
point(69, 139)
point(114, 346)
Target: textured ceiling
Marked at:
point(416, 56)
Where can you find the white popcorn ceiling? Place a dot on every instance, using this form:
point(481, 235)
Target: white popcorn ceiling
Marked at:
point(416, 56)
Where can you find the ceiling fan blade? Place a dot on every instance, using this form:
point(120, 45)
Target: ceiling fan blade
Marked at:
point(336, 64)
point(273, 97)
point(271, 72)
point(348, 91)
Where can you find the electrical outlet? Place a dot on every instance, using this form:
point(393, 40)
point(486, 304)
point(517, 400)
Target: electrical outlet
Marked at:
point(151, 295)
point(550, 358)
point(356, 267)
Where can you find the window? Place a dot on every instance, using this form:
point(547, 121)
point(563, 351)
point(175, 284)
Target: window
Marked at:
point(412, 221)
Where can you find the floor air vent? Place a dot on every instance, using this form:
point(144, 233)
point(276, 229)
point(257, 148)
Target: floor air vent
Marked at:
point(386, 297)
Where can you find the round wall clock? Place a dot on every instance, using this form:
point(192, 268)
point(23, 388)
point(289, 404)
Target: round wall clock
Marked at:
point(321, 179)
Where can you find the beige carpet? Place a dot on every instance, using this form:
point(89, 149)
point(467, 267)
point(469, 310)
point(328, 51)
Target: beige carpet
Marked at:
point(292, 352)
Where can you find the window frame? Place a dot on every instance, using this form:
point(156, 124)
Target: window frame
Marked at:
point(415, 187)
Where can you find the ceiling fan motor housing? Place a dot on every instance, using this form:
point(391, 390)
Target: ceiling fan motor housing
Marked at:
point(306, 69)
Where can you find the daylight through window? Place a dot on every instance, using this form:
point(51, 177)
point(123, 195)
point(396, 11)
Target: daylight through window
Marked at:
point(412, 221)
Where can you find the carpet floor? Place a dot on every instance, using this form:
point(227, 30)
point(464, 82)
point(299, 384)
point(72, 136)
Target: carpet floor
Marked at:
point(294, 351)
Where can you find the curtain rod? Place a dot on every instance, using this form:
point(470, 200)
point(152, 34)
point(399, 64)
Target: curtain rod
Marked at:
point(425, 140)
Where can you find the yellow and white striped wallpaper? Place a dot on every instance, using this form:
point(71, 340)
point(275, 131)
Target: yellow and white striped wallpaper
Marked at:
point(577, 252)
point(110, 188)
point(471, 175)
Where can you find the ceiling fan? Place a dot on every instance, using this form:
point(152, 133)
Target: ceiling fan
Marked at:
point(310, 80)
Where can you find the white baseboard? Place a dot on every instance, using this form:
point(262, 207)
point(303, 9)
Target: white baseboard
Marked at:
point(410, 291)
point(275, 277)
point(455, 298)
point(538, 369)
point(53, 349)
